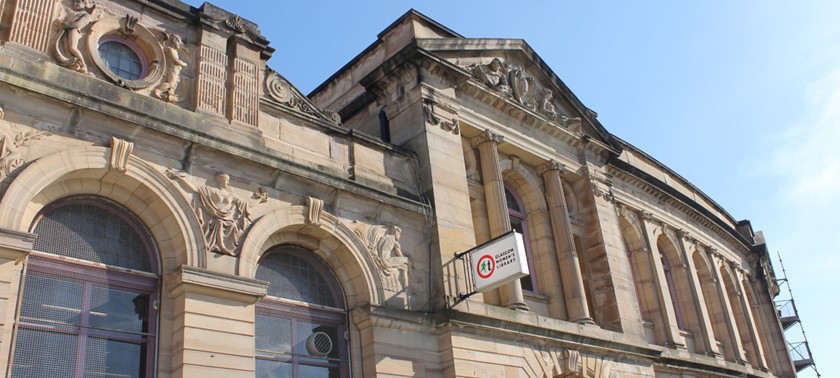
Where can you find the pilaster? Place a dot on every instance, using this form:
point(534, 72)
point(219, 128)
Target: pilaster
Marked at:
point(572, 278)
point(731, 326)
point(758, 348)
point(14, 248)
point(210, 307)
point(497, 210)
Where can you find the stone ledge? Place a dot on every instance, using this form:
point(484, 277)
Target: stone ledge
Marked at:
point(189, 279)
point(15, 244)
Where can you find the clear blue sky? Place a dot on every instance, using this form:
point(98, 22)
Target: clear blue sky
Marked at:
point(742, 98)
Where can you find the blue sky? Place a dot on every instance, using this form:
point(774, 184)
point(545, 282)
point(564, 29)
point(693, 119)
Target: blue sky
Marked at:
point(742, 98)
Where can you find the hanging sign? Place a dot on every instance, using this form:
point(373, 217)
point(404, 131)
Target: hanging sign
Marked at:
point(498, 262)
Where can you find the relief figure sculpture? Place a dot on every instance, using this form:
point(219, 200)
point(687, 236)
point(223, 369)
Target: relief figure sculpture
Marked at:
point(76, 19)
point(222, 214)
point(166, 90)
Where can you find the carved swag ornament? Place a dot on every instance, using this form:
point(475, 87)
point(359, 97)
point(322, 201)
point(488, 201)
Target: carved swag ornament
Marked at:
point(223, 215)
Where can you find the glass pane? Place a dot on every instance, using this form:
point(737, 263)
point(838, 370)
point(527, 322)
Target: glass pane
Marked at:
point(93, 233)
point(305, 330)
point(119, 310)
point(274, 369)
point(318, 372)
point(294, 278)
point(512, 204)
point(273, 335)
point(41, 354)
point(51, 301)
point(120, 59)
point(111, 358)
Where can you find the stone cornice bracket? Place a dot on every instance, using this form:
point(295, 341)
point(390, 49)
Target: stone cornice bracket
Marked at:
point(120, 152)
point(316, 208)
point(572, 364)
point(684, 234)
point(487, 136)
point(551, 166)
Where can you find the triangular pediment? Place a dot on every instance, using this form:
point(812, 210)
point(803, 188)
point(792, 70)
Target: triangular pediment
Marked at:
point(511, 70)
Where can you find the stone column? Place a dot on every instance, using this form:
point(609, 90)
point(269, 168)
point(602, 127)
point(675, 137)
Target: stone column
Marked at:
point(14, 247)
point(213, 323)
point(731, 327)
point(673, 338)
point(497, 211)
point(572, 278)
point(707, 333)
point(757, 347)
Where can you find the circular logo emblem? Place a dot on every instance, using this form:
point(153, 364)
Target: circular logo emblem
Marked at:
point(486, 266)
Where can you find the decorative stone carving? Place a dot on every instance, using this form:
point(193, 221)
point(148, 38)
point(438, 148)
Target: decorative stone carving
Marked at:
point(571, 123)
point(552, 165)
point(316, 208)
point(129, 23)
point(222, 214)
point(546, 107)
point(769, 275)
point(280, 90)
point(509, 80)
point(487, 136)
point(10, 157)
point(236, 24)
point(246, 96)
point(166, 90)
point(120, 152)
point(78, 17)
point(32, 23)
point(126, 27)
point(383, 245)
point(453, 126)
point(260, 195)
point(578, 365)
point(212, 75)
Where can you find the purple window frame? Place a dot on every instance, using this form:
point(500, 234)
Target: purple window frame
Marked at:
point(522, 217)
point(672, 290)
point(144, 62)
point(68, 268)
point(289, 309)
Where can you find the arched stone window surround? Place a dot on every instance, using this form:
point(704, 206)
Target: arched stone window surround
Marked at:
point(273, 311)
point(517, 213)
point(528, 187)
point(740, 316)
point(714, 304)
point(640, 267)
point(92, 287)
point(142, 189)
point(678, 283)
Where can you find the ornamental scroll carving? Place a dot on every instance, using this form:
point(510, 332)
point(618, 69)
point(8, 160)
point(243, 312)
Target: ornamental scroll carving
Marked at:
point(280, 90)
point(120, 152)
point(223, 215)
point(453, 126)
point(384, 248)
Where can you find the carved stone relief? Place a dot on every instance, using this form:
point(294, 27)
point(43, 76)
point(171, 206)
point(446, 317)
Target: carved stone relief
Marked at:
point(10, 157)
point(120, 152)
point(223, 215)
point(383, 245)
point(453, 126)
point(126, 28)
point(280, 90)
point(166, 90)
point(316, 208)
point(78, 17)
point(579, 365)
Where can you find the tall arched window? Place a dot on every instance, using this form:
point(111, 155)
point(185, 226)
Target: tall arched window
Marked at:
point(518, 223)
point(672, 290)
point(90, 294)
point(301, 323)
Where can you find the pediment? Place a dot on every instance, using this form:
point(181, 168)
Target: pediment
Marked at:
point(280, 92)
point(511, 70)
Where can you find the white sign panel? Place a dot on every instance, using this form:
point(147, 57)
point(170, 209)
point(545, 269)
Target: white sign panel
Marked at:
point(498, 262)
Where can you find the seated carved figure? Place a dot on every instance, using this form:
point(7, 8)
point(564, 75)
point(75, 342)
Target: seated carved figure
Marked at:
point(493, 75)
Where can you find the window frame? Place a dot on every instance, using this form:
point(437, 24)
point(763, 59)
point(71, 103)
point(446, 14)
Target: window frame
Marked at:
point(133, 46)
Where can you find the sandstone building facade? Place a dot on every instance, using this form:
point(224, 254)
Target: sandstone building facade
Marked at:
point(173, 207)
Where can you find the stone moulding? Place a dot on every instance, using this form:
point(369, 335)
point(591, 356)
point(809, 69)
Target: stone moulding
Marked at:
point(279, 90)
point(143, 37)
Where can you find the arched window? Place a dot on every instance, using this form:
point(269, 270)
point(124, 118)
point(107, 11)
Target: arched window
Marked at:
point(90, 294)
point(516, 212)
point(301, 323)
point(672, 290)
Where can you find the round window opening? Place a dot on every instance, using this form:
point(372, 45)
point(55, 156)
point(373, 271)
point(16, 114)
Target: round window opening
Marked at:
point(122, 59)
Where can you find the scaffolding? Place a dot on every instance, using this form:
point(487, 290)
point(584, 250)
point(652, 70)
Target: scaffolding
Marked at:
point(799, 350)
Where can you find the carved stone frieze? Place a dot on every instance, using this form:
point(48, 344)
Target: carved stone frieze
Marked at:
point(120, 152)
point(382, 243)
point(280, 90)
point(10, 157)
point(224, 216)
point(166, 90)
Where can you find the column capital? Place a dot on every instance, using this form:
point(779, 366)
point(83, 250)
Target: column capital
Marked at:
point(684, 234)
point(646, 215)
point(552, 166)
point(486, 136)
